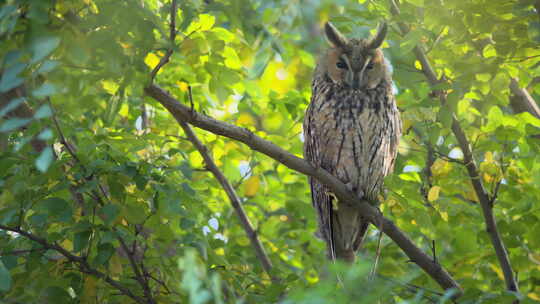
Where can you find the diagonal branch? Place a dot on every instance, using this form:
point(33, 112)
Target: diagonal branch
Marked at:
point(80, 261)
point(485, 201)
point(184, 114)
point(203, 150)
point(523, 101)
point(233, 197)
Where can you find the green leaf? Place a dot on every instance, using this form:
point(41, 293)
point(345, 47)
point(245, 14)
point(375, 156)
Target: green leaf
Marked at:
point(44, 160)
point(10, 77)
point(5, 278)
point(13, 104)
point(105, 252)
point(43, 112)
point(80, 240)
point(42, 47)
point(7, 10)
point(186, 170)
point(55, 294)
point(495, 118)
point(109, 213)
point(445, 116)
point(13, 124)
point(47, 66)
point(419, 3)
point(46, 89)
point(410, 41)
point(45, 134)
point(57, 208)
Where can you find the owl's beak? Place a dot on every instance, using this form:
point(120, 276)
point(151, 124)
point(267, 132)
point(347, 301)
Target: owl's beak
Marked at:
point(357, 80)
point(358, 77)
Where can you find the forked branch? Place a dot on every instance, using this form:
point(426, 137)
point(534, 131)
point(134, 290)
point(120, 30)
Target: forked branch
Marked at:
point(485, 201)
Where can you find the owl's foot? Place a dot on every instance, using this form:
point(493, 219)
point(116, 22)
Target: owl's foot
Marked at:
point(334, 200)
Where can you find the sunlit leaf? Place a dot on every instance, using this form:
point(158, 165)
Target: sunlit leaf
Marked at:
point(151, 60)
point(433, 193)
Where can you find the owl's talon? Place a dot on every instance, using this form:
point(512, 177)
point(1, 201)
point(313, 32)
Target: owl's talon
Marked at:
point(334, 200)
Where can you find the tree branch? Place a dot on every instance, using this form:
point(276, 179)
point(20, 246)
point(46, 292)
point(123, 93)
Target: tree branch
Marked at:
point(522, 101)
point(470, 164)
point(184, 114)
point(233, 197)
point(80, 261)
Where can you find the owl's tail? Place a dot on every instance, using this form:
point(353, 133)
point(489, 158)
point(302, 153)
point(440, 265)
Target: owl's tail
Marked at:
point(348, 230)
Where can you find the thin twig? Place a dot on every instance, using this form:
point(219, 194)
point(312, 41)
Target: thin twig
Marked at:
point(138, 275)
point(212, 167)
point(101, 201)
point(233, 197)
point(434, 251)
point(80, 261)
point(470, 164)
point(172, 35)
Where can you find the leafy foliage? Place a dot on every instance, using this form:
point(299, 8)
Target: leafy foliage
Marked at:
point(118, 184)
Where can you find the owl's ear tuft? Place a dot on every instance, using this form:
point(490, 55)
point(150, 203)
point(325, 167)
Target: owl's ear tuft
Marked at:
point(335, 38)
point(378, 39)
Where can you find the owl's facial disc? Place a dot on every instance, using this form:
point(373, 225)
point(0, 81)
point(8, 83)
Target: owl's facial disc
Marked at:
point(355, 72)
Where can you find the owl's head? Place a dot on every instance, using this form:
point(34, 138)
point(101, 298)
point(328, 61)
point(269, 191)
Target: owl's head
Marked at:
point(357, 64)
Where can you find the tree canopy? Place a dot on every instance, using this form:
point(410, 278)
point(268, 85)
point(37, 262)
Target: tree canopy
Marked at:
point(150, 152)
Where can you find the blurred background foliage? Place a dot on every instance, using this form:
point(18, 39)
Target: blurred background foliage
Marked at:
point(249, 62)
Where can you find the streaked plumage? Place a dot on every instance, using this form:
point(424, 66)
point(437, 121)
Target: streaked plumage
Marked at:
point(351, 128)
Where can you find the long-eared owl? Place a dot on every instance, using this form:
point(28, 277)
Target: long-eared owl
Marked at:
point(351, 129)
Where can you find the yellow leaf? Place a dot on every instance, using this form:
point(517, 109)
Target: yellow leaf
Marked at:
point(182, 85)
point(534, 296)
point(251, 187)
point(407, 123)
point(67, 244)
point(151, 60)
point(204, 23)
point(231, 58)
point(110, 86)
point(470, 194)
point(441, 168)
point(115, 266)
point(245, 119)
point(89, 290)
point(433, 193)
point(124, 110)
point(488, 157)
point(444, 215)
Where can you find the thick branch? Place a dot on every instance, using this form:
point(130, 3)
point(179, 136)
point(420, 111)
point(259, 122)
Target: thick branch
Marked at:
point(81, 262)
point(233, 197)
point(184, 114)
point(522, 101)
point(485, 201)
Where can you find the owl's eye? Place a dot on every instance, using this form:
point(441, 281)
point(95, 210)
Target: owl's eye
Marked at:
point(370, 65)
point(341, 64)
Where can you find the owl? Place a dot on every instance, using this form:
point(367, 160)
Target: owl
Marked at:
point(351, 129)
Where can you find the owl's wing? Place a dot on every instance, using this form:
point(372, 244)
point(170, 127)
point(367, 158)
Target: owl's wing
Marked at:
point(320, 195)
point(395, 128)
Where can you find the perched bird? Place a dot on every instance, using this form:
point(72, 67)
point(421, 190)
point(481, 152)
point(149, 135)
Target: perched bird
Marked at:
point(351, 129)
